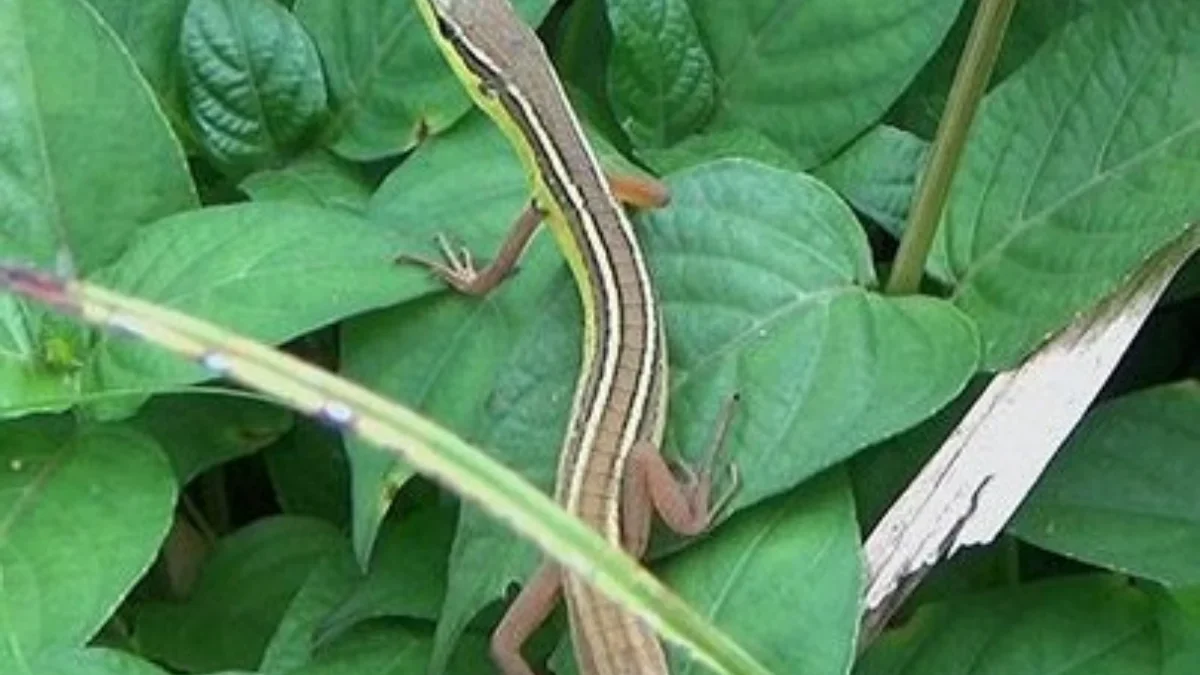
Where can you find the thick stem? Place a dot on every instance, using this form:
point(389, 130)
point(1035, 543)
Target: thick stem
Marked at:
point(970, 81)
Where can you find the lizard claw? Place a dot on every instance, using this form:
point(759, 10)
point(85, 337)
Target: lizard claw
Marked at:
point(456, 268)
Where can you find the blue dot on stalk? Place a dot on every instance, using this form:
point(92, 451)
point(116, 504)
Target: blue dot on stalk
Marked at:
point(124, 325)
point(216, 362)
point(336, 413)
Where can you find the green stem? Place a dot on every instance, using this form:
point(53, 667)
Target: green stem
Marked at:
point(970, 81)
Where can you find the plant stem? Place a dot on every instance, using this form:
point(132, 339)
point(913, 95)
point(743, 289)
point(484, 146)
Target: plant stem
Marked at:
point(970, 81)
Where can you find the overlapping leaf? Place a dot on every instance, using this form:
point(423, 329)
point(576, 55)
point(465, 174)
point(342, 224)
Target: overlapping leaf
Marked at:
point(150, 31)
point(76, 181)
point(254, 79)
point(1122, 493)
point(93, 661)
point(1079, 167)
point(318, 179)
point(271, 271)
point(1095, 625)
point(809, 76)
point(199, 432)
point(84, 511)
point(241, 594)
point(662, 81)
point(388, 81)
point(878, 174)
point(405, 578)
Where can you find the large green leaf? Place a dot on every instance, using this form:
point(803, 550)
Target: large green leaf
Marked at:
point(661, 80)
point(295, 639)
point(741, 142)
point(407, 573)
point(241, 594)
point(878, 174)
point(581, 48)
point(810, 76)
point(764, 278)
point(76, 180)
point(270, 271)
point(388, 649)
point(150, 31)
point(1092, 625)
point(254, 79)
point(1122, 493)
point(82, 513)
point(406, 578)
point(1079, 167)
point(77, 177)
point(389, 83)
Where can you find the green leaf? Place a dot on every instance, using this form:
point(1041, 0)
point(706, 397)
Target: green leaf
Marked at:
point(660, 79)
point(241, 594)
point(742, 142)
point(878, 175)
point(469, 185)
point(389, 83)
point(79, 178)
point(406, 578)
point(270, 271)
point(810, 76)
point(407, 574)
point(389, 649)
point(1179, 619)
point(82, 513)
point(295, 640)
point(318, 179)
point(309, 472)
point(76, 181)
point(1122, 493)
point(198, 432)
point(91, 662)
point(1093, 625)
point(150, 31)
point(1078, 168)
point(762, 274)
point(254, 79)
point(881, 473)
point(791, 562)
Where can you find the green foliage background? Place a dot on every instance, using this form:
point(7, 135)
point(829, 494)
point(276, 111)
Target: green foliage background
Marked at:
point(261, 163)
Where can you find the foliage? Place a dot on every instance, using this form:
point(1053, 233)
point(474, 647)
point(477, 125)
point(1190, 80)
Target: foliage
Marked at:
point(260, 164)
